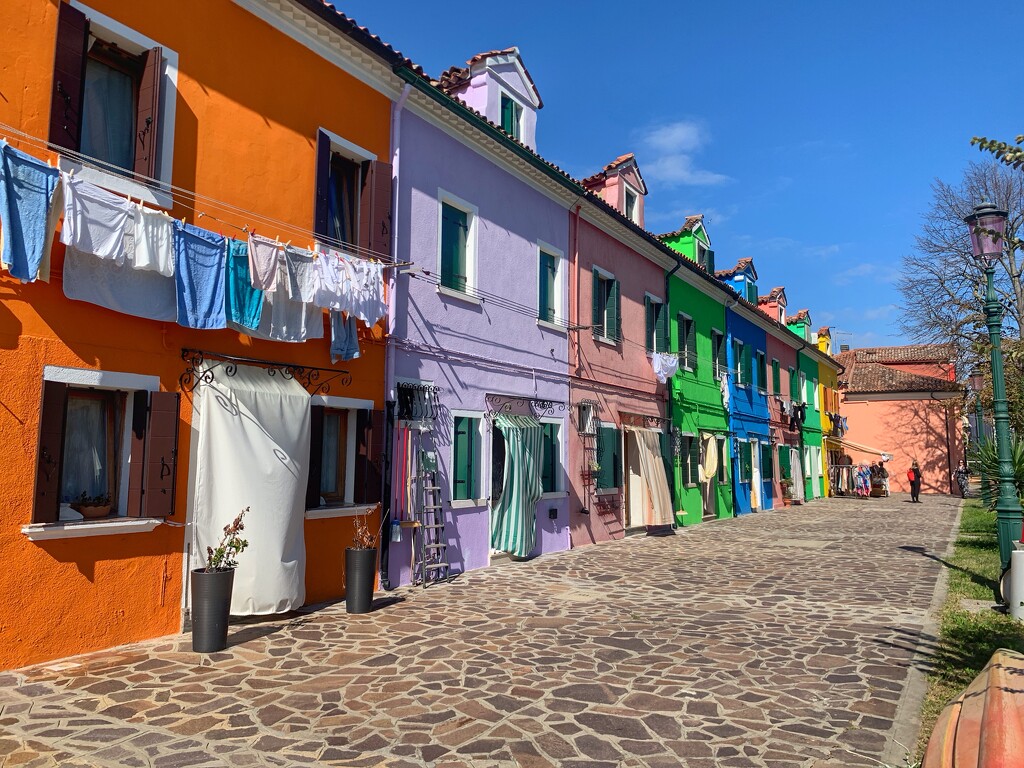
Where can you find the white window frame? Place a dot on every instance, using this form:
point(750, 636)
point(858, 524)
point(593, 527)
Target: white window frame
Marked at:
point(605, 276)
point(802, 378)
point(108, 381)
point(355, 153)
point(520, 111)
point(629, 189)
point(109, 30)
point(773, 365)
point(559, 323)
point(738, 346)
point(654, 342)
point(688, 365)
point(447, 198)
point(483, 456)
point(717, 372)
point(348, 505)
point(560, 491)
point(817, 401)
point(588, 421)
point(723, 454)
point(762, 386)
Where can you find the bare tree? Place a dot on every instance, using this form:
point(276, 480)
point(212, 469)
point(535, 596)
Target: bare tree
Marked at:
point(941, 284)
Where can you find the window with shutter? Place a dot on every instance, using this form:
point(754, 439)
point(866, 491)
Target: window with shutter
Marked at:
point(607, 318)
point(548, 272)
point(369, 450)
point(454, 236)
point(776, 378)
point(497, 463)
point(718, 353)
point(657, 333)
point(723, 460)
point(613, 313)
point(465, 458)
point(550, 465)
point(793, 392)
point(68, 77)
point(748, 377)
point(785, 471)
point(693, 461)
point(737, 361)
point(762, 372)
point(511, 116)
point(767, 465)
point(82, 458)
point(375, 207)
point(746, 461)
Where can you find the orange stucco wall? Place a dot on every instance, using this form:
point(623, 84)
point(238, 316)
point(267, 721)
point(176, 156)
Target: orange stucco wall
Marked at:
point(925, 430)
point(249, 103)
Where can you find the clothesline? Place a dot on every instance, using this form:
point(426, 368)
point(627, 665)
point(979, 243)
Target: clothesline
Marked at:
point(183, 195)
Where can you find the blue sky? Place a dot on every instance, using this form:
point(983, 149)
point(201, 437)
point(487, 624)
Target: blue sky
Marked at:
point(808, 132)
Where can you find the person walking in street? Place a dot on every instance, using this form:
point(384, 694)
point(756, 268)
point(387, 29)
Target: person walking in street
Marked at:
point(962, 475)
point(914, 476)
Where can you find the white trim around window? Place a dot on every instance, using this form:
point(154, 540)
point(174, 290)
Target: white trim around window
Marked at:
point(482, 453)
point(559, 298)
point(520, 112)
point(561, 492)
point(472, 211)
point(113, 31)
point(345, 147)
point(628, 189)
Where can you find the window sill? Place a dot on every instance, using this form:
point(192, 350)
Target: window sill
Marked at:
point(606, 491)
point(325, 513)
point(551, 327)
point(606, 340)
point(444, 290)
point(555, 495)
point(467, 503)
point(122, 185)
point(79, 529)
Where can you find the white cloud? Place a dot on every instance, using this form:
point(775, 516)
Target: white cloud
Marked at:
point(876, 272)
point(878, 313)
point(670, 155)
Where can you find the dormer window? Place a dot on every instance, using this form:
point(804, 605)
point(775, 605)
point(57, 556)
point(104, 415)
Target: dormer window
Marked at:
point(631, 209)
point(782, 314)
point(706, 258)
point(511, 116)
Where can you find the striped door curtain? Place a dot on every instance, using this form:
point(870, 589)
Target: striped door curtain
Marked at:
point(514, 514)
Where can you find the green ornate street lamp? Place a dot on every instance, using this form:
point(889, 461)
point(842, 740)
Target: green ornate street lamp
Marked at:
point(988, 227)
point(977, 383)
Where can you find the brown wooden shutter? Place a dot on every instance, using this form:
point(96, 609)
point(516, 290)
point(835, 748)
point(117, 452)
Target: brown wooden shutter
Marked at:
point(161, 455)
point(323, 177)
point(366, 217)
point(137, 460)
point(69, 77)
point(46, 507)
point(369, 456)
point(316, 448)
point(147, 117)
point(380, 205)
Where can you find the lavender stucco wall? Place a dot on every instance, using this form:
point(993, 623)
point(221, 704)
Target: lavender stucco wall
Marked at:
point(471, 349)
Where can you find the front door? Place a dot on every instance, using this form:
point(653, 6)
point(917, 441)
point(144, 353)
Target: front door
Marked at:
point(636, 488)
point(756, 501)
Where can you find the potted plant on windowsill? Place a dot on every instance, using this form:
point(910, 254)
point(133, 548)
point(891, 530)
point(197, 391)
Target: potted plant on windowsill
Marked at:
point(591, 472)
point(211, 589)
point(360, 568)
point(91, 507)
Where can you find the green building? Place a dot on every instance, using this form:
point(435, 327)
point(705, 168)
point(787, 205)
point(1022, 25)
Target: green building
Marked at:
point(810, 430)
point(699, 417)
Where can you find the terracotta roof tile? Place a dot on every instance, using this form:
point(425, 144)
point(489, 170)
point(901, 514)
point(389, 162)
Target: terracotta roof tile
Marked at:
point(824, 331)
point(455, 77)
point(909, 353)
point(601, 175)
point(688, 224)
point(799, 316)
point(741, 265)
point(773, 295)
point(360, 34)
point(865, 378)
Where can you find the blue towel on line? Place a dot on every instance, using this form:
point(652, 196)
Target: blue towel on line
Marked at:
point(200, 271)
point(26, 193)
point(344, 338)
point(244, 303)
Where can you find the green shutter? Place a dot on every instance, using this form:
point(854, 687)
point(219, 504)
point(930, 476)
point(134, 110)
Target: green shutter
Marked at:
point(691, 344)
point(462, 468)
point(661, 313)
point(609, 456)
point(694, 460)
point(767, 463)
point(454, 227)
point(549, 463)
point(614, 312)
point(597, 319)
point(792, 384)
point(665, 439)
point(546, 281)
point(762, 372)
point(776, 377)
point(648, 323)
point(748, 377)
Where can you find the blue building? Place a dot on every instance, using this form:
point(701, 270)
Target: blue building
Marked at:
point(746, 346)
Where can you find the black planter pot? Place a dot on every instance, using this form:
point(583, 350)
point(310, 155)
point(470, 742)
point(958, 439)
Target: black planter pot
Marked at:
point(360, 573)
point(211, 605)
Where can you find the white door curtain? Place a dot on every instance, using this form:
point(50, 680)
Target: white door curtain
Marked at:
point(253, 451)
point(659, 500)
point(514, 514)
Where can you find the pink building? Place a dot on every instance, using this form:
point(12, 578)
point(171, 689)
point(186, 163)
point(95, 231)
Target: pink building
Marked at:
point(619, 279)
point(905, 401)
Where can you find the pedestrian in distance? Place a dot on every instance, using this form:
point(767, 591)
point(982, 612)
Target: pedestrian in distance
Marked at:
point(914, 476)
point(962, 475)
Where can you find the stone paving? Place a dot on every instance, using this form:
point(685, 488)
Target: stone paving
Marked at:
point(781, 639)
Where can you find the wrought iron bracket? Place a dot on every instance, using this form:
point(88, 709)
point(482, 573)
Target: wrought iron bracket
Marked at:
point(316, 381)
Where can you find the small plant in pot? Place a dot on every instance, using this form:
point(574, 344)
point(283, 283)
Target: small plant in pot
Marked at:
point(91, 507)
point(211, 589)
point(360, 568)
point(787, 491)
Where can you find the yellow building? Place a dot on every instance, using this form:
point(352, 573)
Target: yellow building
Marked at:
point(831, 426)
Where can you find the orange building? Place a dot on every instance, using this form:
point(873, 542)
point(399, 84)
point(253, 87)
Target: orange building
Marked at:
point(905, 402)
point(223, 147)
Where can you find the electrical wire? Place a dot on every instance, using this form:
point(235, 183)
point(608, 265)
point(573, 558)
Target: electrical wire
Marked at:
point(192, 199)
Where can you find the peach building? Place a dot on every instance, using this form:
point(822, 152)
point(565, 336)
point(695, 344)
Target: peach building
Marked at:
point(906, 402)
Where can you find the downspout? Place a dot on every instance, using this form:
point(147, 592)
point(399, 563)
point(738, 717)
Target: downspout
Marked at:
point(389, 354)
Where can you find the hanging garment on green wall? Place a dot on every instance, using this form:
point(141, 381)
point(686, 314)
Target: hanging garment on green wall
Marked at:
point(514, 514)
point(709, 454)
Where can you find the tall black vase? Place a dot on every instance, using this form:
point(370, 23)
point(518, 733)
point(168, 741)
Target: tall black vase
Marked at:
point(211, 605)
point(360, 574)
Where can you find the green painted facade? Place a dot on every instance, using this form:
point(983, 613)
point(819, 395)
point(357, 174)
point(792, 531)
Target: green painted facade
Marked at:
point(810, 432)
point(696, 396)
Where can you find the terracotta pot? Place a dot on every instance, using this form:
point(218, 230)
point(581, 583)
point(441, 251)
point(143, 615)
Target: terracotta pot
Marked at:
point(91, 512)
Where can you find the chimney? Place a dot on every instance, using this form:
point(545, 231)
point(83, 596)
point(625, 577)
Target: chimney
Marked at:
point(844, 347)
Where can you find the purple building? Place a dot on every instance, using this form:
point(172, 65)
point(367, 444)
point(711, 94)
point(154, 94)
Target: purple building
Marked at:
point(478, 326)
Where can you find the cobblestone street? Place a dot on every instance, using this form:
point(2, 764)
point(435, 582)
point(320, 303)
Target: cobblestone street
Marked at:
point(781, 639)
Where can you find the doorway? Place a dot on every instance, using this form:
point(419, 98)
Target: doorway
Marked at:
point(637, 500)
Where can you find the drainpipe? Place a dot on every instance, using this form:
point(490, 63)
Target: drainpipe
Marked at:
point(389, 353)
